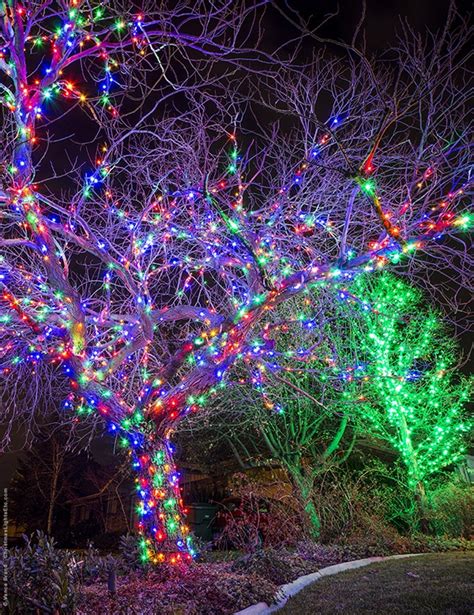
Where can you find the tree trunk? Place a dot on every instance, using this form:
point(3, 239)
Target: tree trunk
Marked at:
point(57, 463)
point(422, 505)
point(164, 535)
point(315, 522)
point(414, 481)
point(304, 486)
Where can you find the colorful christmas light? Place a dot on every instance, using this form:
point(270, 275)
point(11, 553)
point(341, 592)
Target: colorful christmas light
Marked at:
point(175, 286)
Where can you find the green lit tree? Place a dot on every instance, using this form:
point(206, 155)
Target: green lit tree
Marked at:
point(307, 431)
point(414, 395)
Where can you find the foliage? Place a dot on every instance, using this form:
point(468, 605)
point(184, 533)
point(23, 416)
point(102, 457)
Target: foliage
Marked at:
point(130, 552)
point(131, 561)
point(44, 577)
point(413, 397)
point(41, 576)
point(351, 501)
point(421, 543)
point(201, 589)
point(138, 268)
point(451, 509)
point(279, 566)
point(261, 518)
point(294, 417)
point(323, 554)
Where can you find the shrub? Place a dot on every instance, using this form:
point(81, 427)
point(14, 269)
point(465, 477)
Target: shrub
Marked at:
point(362, 546)
point(359, 504)
point(322, 555)
point(259, 521)
point(421, 543)
point(452, 510)
point(130, 552)
point(280, 566)
point(41, 577)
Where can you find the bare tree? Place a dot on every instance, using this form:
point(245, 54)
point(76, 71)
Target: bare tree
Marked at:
point(146, 273)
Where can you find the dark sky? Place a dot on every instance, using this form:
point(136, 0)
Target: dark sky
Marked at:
point(382, 17)
point(382, 20)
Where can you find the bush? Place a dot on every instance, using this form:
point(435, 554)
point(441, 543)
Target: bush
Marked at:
point(41, 577)
point(259, 521)
point(452, 510)
point(361, 505)
point(421, 543)
point(279, 567)
point(130, 552)
point(322, 555)
point(367, 546)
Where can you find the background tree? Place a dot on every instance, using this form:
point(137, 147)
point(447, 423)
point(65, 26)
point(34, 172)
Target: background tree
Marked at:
point(291, 412)
point(414, 396)
point(39, 483)
point(54, 473)
point(142, 260)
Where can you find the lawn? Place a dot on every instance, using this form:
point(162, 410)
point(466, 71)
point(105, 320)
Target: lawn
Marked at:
point(434, 583)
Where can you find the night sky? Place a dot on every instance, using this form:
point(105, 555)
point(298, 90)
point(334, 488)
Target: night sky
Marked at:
point(382, 20)
point(382, 17)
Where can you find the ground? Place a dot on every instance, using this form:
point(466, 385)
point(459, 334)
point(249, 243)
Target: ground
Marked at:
point(427, 584)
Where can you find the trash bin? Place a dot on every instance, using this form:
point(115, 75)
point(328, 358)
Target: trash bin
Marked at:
point(201, 518)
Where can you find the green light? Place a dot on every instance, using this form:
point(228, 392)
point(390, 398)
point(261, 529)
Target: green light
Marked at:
point(368, 186)
point(233, 225)
point(416, 396)
point(464, 221)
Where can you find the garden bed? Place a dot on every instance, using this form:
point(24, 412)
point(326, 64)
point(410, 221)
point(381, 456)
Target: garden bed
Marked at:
point(224, 587)
point(44, 577)
point(201, 589)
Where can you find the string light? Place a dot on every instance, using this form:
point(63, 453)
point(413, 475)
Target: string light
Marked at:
point(90, 345)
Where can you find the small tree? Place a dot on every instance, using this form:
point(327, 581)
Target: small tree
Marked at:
point(54, 473)
point(39, 483)
point(414, 395)
point(290, 411)
point(303, 434)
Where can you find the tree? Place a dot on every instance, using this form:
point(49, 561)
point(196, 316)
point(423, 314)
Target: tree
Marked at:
point(292, 412)
point(52, 474)
point(305, 436)
point(38, 484)
point(144, 276)
point(414, 396)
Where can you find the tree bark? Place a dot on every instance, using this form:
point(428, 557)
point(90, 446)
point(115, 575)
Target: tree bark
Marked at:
point(164, 535)
point(57, 463)
point(304, 486)
point(415, 481)
point(422, 505)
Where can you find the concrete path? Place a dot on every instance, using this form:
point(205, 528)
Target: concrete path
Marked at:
point(290, 589)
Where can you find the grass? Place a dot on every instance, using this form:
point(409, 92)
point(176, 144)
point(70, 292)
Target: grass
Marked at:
point(432, 584)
